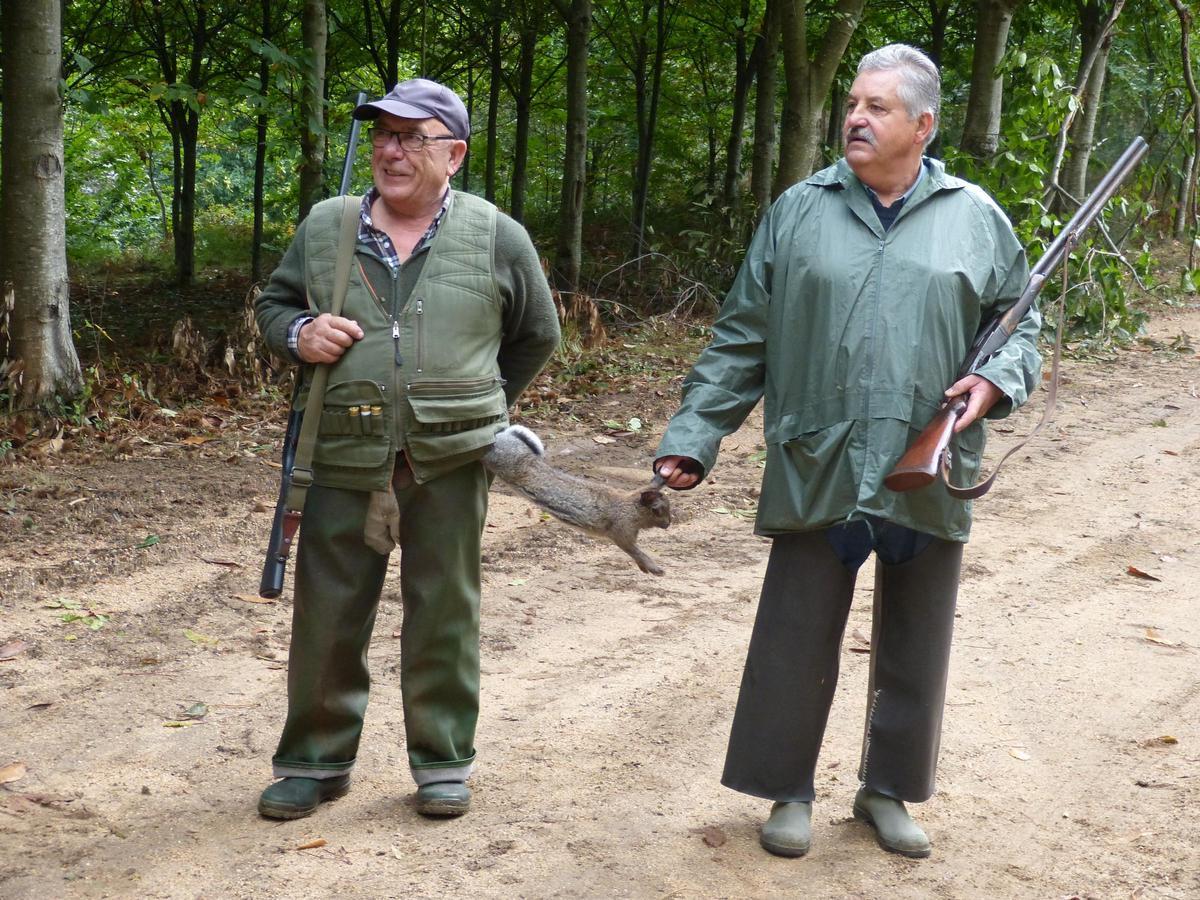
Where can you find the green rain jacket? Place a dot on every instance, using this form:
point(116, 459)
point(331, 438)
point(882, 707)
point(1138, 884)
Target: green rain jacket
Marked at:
point(850, 335)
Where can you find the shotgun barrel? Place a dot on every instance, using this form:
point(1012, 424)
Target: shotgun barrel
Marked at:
point(919, 465)
point(279, 544)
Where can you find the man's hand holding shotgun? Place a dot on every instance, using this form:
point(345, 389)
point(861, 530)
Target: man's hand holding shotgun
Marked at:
point(971, 395)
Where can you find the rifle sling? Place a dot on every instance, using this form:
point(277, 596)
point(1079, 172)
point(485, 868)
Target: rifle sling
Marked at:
point(978, 490)
point(302, 474)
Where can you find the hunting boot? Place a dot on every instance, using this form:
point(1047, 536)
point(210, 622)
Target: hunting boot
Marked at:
point(894, 828)
point(788, 830)
point(443, 799)
point(295, 798)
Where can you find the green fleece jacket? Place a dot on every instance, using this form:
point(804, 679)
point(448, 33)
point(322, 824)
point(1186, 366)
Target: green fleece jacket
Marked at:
point(421, 367)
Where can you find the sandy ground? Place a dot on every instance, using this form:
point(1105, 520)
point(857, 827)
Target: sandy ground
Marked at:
point(1072, 736)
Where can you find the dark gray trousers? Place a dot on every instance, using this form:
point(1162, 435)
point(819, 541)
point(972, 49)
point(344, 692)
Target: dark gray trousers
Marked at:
point(792, 669)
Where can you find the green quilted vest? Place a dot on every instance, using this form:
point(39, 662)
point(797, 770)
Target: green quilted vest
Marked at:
point(424, 379)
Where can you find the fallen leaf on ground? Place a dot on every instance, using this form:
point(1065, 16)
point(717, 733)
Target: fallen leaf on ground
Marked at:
point(195, 440)
point(197, 638)
point(12, 772)
point(1138, 573)
point(170, 723)
point(13, 648)
point(313, 845)
point(1019, 753)
point(1166, 739)
point(197, 710)
point(713, 836)
point(252, 598)
point(223, 562)
point(1153, 637)
point(863, 644)
point(44, 799)
point(604, 439)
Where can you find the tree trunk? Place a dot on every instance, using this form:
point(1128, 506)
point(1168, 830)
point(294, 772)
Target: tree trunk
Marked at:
point(33, 222)
point(464, 172)
point(1092, 19)
point(939, 20)
point(315, 34)
point(808, 83)
point(495, 52)
point(1091, 54)
point(260, 151)
point(523, 97)
point(743, 76)
point(1189, 207)
point(762, 160)
point(981, 128)
point(185, 236)
point(569, 252)
point(647, 125)
point(1187, 179)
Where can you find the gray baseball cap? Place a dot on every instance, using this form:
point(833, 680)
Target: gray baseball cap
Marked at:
point(420, 98)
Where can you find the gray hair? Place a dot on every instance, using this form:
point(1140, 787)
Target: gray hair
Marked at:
point(920, 87)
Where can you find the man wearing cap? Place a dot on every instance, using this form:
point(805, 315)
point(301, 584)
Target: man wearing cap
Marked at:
point(447, 319)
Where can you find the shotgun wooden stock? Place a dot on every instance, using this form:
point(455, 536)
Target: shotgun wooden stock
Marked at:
point(920, 463)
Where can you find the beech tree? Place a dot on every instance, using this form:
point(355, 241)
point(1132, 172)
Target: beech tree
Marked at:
point(577, 16)
point(1095, 41)
point(315, 34)
point(981, 130)
point(32, 212)
point(766, 51)
point(809, 77)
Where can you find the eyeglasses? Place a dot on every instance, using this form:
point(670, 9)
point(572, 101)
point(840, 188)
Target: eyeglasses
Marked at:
point(409, 141)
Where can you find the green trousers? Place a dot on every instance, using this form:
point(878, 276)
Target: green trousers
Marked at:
point(337, 587)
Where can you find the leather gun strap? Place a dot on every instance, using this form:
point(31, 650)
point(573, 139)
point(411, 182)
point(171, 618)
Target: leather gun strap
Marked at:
point(981, 488)
point(302, 469)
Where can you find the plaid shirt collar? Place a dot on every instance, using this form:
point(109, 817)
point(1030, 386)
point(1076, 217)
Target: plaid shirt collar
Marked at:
point(379, 242)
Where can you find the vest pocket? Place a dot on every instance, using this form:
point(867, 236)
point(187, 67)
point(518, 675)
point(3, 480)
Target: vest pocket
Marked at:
point(354, 430)
point(451, 418)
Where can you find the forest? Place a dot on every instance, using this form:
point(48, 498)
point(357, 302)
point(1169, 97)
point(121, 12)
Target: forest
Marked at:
point(157, 154)
point(156, 158)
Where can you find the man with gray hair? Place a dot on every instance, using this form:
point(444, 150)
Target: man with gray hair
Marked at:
point(860, 295)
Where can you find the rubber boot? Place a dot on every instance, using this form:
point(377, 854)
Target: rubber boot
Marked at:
point(788, 830)
point(295, 798)
point(894, 828)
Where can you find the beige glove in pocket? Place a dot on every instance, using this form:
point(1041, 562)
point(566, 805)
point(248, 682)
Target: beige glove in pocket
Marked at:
point(382, 529)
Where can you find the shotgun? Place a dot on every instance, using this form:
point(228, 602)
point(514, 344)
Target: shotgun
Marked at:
point(283, 527)
point(930, 452)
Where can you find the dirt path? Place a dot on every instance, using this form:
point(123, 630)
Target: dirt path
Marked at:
point(1069, 758)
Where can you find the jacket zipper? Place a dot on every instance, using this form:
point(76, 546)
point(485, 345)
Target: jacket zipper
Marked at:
point(464, 386)
point(420, 312)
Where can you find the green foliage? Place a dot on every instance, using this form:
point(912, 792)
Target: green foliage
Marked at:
point(1039, 99)
point(120, 159)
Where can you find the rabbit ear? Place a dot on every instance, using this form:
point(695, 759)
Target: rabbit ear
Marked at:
point(650, 496)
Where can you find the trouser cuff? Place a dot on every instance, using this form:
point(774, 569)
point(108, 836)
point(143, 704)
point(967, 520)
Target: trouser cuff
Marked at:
point(305, 770)
point(457, 771)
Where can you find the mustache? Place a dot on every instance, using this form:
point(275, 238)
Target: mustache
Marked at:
point(861, 133)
